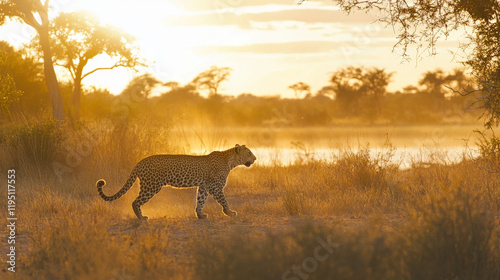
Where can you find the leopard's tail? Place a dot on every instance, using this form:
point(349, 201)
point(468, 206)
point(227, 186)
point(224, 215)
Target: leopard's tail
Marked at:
point(122, 191)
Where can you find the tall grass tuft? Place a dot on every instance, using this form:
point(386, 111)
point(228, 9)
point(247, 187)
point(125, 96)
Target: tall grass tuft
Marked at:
point(360, 171)
point(293, 197)
point(37, 143)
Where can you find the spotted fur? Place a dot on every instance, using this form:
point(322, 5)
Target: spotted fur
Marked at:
point(208, 173)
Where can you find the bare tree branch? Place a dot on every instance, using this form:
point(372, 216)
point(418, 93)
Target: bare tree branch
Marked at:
point(118, 64)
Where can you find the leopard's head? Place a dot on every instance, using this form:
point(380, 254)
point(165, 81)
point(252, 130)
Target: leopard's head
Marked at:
point(244, 155)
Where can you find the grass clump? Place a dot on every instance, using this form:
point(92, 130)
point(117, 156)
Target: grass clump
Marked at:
point(293, 198)
point(34, 144)
point(361, 171)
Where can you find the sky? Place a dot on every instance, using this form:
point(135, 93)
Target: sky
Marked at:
point(269, 44)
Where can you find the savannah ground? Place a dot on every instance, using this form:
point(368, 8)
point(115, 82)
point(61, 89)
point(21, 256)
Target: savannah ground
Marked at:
point(369, 218)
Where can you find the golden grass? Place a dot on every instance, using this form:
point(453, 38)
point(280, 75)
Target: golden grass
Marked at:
point(440, 222)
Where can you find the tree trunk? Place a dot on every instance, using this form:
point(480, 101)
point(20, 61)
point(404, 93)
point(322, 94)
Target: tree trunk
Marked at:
point(77, 90)
point(26, 9)
point(50, 75)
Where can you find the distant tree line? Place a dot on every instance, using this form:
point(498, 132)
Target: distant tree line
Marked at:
point(352, 95)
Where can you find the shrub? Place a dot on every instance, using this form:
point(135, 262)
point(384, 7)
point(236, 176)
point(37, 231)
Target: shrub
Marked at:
point(489, 148)
point(36, 143)
point(452, 236)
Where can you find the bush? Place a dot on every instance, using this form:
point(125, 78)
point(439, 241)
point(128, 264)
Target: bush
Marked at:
point(363, 172)
point(452, 236)
point(37, 143)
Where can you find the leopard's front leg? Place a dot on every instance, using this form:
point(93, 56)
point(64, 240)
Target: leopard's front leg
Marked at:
point(200, 202)
point(218, 194)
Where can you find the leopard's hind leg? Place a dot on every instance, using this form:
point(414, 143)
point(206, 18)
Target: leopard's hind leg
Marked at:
point(148, 190)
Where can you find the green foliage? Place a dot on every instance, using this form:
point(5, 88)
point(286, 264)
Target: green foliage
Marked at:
point(354, 95)
point(10, 93)
point(27, 75)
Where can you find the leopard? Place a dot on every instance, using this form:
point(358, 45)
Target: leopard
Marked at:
point(208, 173)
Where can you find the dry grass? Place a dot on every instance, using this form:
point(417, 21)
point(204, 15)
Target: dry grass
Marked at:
point(440, 222)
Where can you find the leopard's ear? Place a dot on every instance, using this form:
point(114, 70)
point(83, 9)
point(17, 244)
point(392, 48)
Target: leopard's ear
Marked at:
point(237, 148)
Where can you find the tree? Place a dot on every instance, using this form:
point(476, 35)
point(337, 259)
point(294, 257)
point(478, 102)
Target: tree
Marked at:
point(351, 85)
point(433, 82)
point(458, 81)
point(326, 91)
point(96, 103)
point(423, 23)
point(437, 83)
point(78, 37)
point(375, 84)
point(27, 74)
point(140, 87)
point(211, 79)
point(300, 88)
point(346, 86)
point(178, 98)
point(35, 14)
